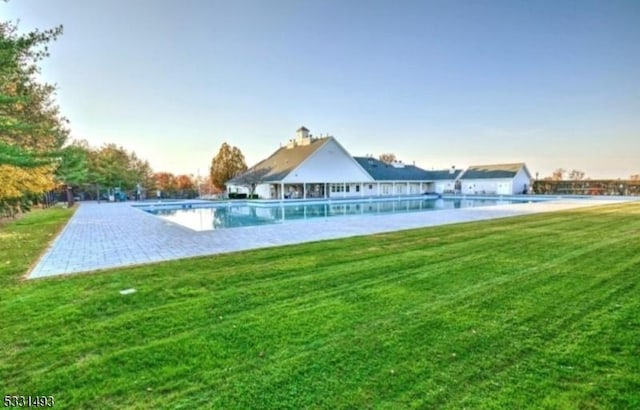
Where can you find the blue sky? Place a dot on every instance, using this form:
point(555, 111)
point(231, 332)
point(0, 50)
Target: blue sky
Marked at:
point(551, 83)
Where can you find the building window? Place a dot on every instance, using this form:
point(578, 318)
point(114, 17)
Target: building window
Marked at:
point(348, 188)
point(333, 188)
point(370, 186)
point(357, 188)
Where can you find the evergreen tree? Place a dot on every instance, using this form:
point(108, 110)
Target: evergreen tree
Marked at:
point(32, 132)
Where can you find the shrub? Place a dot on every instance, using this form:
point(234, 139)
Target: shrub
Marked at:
point(237, 195)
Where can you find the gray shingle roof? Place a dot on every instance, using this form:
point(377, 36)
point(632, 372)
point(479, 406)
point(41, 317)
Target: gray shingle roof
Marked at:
point(441, 174)
point(277, 166)
point(381, 171)
point(492, 171)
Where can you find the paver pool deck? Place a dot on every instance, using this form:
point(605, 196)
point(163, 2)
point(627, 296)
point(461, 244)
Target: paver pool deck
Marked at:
point(109, 235)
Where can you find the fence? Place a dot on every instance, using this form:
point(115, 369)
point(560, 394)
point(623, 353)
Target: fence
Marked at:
point(587, 187)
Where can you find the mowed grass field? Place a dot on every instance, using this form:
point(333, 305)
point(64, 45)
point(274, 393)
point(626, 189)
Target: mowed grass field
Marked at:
point(539, 311)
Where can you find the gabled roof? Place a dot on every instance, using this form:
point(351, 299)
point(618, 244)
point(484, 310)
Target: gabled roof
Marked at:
point(277, 166)
point(381, 171)
point(303, 128)
point(493, 171)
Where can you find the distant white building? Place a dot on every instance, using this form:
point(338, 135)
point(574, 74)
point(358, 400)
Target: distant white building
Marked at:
point(447, 181)
point(403, 179)
point(319, 167)
point(496, 179)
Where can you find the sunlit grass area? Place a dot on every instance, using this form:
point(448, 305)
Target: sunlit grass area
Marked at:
point(539, 311)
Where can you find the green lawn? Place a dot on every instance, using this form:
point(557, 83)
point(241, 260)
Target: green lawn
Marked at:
point(540, 311)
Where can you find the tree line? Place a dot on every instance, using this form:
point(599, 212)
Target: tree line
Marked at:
point(561, 174)
point(98, 173)
point(38, 157)
point(36, 153)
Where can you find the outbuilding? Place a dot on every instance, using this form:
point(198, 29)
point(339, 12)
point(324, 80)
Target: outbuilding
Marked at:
point(496, 179)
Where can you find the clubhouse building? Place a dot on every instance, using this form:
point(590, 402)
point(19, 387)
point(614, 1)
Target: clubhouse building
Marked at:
point(319, 167)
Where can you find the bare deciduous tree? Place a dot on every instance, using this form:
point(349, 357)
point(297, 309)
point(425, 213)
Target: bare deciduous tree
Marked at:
point(558, 174)
point(576, 175)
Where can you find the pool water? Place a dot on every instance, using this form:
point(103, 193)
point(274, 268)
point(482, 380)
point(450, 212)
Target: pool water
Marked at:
point(230, 215)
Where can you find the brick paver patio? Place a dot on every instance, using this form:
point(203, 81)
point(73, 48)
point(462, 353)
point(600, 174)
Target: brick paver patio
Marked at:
point(108, 235)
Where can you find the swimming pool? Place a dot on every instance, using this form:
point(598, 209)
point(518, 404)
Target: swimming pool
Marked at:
point(225, 215)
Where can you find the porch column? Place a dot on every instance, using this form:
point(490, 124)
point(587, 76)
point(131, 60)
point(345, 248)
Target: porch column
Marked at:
point(378, 188)
point(282, 190)
point(393, 189)
point(344, 189)
point(408, 189)
point(304, 195)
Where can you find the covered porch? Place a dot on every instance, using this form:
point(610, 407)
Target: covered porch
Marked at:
point(319, 190)
point(298, 191)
